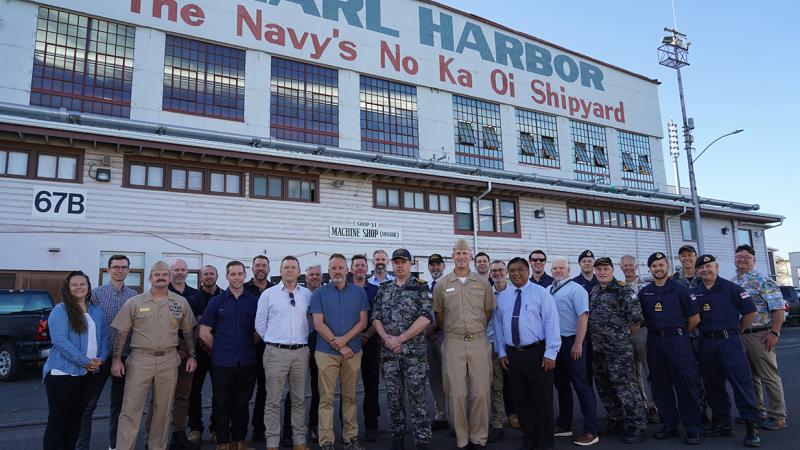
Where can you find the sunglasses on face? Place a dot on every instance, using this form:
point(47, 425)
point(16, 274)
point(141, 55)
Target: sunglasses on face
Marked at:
point(538, 260)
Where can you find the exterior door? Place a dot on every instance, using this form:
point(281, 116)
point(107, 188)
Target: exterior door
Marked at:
point(49, 281)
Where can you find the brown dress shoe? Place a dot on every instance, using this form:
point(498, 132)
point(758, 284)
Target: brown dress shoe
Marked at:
point(300, 447)
point(241, 445)
point(225, 446)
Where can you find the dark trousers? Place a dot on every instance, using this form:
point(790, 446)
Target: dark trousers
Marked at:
point(370, 377)
point(571, 374)
point(196, 394)
point(115, 406)
point(674, 372)
point(313, 409)
point(723, 360)
point(530, 382)
point(232, 388)
point(261, 391)
point(67, 398)
point(508, 395)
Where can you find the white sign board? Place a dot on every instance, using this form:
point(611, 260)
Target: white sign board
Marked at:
point(365, 231)
point(58, 202)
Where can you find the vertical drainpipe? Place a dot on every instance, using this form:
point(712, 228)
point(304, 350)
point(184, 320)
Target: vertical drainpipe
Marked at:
point(669, 235)
point(475, 216)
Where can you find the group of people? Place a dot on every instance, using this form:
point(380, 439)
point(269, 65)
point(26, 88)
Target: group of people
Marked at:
point(492, 343)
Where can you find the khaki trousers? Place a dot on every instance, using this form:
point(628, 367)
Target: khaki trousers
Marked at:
point(641, 368)
point(498, 405)
point(764, 366)
point(180, 406)
point(141, 372)
point(280, 364)
point(330, 368)
point(468, 371)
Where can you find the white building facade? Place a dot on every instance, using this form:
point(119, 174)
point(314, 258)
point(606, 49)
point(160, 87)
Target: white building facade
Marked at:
point(219, 130)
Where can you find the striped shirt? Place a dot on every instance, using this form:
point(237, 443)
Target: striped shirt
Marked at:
point(110, 301)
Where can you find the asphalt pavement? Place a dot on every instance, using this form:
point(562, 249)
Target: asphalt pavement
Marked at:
point(23, 415)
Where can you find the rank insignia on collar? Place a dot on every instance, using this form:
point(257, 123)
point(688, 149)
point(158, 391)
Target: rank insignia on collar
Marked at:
point(658, 307)
point(706, 307)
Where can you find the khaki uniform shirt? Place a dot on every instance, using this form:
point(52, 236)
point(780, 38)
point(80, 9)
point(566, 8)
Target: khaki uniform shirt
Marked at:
point(463, 305)
point(155, 324)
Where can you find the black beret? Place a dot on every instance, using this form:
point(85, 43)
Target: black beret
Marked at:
point(401, 253)
point(687, 247)
point(435, 258)
point(586, 254)
point(657, 256)
point(703, 260)
point(603, 261)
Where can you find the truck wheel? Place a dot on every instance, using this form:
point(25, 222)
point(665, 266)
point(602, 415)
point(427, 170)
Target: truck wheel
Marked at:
point(10, 365)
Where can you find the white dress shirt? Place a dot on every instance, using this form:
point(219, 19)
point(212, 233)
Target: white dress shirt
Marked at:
point(277, 321)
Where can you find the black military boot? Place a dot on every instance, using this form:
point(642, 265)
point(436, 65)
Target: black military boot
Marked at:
point(179, 442)
point(633, 436)
point(667, 432)
point(719, 428)
point(398, 442)
point(612, 428)
point(752, 438)
point(423, 446)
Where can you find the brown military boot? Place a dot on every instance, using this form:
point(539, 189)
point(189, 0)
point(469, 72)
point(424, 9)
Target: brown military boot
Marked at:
point(241, 445)
point(225, 446)
point(300, 447)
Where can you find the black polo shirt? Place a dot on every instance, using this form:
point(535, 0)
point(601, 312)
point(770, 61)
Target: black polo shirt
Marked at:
point(254, 289)
point(544, 282)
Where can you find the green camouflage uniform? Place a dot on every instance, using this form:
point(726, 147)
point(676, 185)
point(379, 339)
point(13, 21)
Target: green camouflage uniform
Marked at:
point(398, 308)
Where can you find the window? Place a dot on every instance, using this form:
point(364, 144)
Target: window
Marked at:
point(637, 168)
point(473, 116)
point(203, 79)
point(591, 159)
point(267, 186)
point(744, 237)
point(439, 203)
point(301, 190)
point(389, 121)
point(463, 214)
point(486, 215)
point(537, 139)
point(228, 183)
point(304, 102)
point(496, 217)
point(396, 198)
point(56, 167)
point(613, 218)
point(82, 63)
point(13, 163)
point(689, 230)
point(66, 165)
point(175, 176)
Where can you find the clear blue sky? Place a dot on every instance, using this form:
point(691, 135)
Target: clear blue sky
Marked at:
point(743, 73)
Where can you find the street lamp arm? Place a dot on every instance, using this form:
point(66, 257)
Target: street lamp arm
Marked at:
point(712, 143)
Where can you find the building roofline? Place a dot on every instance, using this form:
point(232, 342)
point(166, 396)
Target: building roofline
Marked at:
point(540, 40)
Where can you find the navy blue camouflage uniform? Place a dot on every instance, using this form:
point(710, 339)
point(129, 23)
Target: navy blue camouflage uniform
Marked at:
point(397, 308)
point(722, 355)
point(612, 311)
point(670, 354)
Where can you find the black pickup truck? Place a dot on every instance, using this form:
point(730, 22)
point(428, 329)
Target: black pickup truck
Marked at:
point(24, 337)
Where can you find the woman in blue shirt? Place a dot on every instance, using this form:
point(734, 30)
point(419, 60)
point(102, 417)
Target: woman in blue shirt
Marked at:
point(80, 346)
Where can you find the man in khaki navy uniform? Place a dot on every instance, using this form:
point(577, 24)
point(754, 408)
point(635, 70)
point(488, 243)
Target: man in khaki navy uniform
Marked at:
point(153, 320)
point(463, 303)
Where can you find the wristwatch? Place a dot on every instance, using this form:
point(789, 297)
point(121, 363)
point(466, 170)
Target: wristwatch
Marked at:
point(193, 355)
point(775, 333)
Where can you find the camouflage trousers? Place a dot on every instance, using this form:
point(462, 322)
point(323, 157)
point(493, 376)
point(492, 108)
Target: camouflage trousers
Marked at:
point(403, 372)
point(615, 378)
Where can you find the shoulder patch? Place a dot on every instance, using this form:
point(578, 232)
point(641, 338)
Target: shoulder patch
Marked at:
point(744, 294)
point(621, 283)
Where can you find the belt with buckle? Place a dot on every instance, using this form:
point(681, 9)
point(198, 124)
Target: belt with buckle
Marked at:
point(755, 330)
point(667, 331)
point(287, 346)
point(719, 334)
point(522, 348)
point(150, 352)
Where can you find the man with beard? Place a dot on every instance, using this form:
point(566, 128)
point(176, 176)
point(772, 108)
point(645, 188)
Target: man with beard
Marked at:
point(434, 336)
point(340, 316)
point(463, 304)
point(208, 290)
point(671, 315)
point(371, 347)
point(257, 285)
point(379, 260)
point(538, 259)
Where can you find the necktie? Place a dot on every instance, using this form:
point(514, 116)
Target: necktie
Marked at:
point(515, 319)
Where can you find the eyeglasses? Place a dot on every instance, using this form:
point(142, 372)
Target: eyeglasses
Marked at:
point(538, 260)
point(291, 298)
point(119, 267)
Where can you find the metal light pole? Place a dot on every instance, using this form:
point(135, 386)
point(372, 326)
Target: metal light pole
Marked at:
point(715, 140)
point(674, 53)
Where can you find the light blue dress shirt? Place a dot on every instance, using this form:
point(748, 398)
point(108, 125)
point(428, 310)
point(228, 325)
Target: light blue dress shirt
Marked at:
point(572, 300)
point(538, 319)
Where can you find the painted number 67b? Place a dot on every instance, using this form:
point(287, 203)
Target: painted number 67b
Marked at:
point(53, 202)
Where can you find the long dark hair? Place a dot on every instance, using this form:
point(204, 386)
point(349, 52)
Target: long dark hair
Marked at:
point(74, 314)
